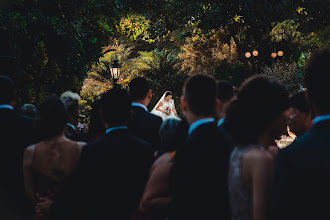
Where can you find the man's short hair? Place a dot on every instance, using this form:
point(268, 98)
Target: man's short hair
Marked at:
point(317, 78)
point(167, 131)
point(138, 88)
point(7, 89)
point(116, 106)
point(200, 93)
point(225, 91)
point(298, 100)
point(29, 110)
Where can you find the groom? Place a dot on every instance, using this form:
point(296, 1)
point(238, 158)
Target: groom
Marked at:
point(143, 124)
point(199, 174)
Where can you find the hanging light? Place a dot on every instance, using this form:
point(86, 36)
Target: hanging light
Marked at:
point(273, 55)
point(115, 70)
point(247, 54)
point(255, 53)
point(280, 53)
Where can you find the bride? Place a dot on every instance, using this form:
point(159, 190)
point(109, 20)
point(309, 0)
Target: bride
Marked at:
point(165, 107)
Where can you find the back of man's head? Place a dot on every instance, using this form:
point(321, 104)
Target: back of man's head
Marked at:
point(7, 89)
point(225, 91)
point(116, 106)
point(317, 78)
point(29, 110)
point(138, 88)
point(298, 101)
point(200, 93)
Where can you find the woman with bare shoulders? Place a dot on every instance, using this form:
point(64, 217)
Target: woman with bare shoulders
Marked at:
point(255, 119)
point(48, 164)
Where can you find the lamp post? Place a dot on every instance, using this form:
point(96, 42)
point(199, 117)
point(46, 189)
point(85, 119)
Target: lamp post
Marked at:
point(279, 55)
point(248, 55)
point(115, 71)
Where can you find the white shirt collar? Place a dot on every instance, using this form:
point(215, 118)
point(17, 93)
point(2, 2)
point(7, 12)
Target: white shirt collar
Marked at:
point(135, 104)
point(6, 107)
point(321, 118)
point(221, 121)
point(115, 128)
point(198, 123)
point(71, 125)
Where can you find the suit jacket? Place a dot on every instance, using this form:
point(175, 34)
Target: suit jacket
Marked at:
point(109, 181)
point(302, 176)
point(146, 126)
point(225, 133)
point(16, 133)
point(199, 176)
point(74, 135)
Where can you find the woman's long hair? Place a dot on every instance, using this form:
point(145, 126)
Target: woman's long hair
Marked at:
point(52, 118)
point(259, 101)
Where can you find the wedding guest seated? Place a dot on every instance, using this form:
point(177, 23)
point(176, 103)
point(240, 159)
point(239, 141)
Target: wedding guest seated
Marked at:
point(29, 110)
point(143, 124)
point(113, 171)
point(199, 174)
point(300, 114)
point(71, 102)
point(302, 176)
point(48, 164)
point(16, 133)
point(254, 120)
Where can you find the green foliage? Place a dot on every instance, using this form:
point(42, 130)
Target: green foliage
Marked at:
point(72, 33)
point(134, 26)
point(42, 76)
point(286, 74)
point(165, 41)
point(205, 54)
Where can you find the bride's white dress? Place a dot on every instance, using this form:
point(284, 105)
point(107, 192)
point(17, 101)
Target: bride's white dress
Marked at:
point(166, 105)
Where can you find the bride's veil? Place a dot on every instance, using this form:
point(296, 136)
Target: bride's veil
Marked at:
point(154, 111)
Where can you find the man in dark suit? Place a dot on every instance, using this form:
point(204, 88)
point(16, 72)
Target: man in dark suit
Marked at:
point(143, 124)
point(302, 170)
point(113, 171)
point(16, 133)
point(199, 175)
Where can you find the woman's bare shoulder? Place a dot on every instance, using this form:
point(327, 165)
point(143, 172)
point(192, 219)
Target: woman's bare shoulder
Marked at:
point(166, 157)
point(257, 156)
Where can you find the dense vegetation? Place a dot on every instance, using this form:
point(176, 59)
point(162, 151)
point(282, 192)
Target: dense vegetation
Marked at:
point(50, 46)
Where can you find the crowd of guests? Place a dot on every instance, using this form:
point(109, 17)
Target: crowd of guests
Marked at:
point(219, 160)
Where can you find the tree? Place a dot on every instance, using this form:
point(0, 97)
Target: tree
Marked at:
point(287, 74)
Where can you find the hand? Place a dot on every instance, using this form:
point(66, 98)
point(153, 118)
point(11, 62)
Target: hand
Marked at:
point(43, 205)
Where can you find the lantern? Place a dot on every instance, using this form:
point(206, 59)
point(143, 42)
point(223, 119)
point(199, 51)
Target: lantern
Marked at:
point(273, 55)
point(115, 70)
